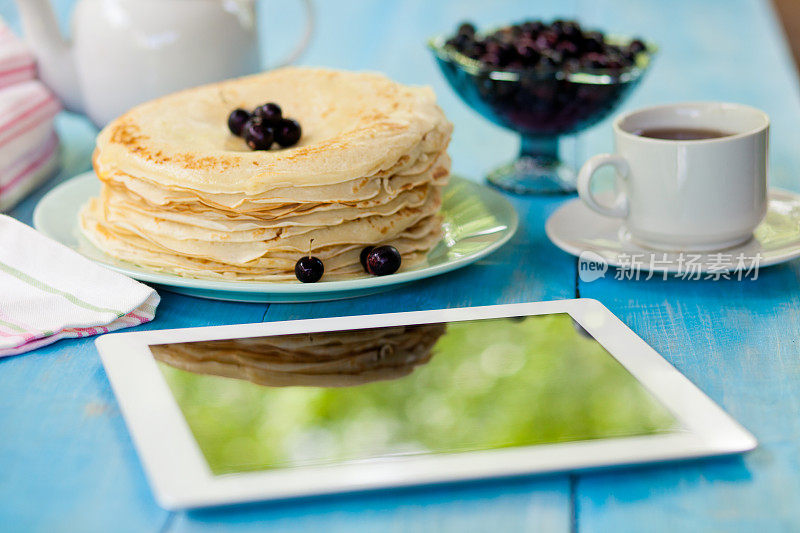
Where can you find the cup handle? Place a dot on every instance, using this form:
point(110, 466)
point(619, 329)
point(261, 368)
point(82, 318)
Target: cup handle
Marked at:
point(620, 207)
point(294, 55)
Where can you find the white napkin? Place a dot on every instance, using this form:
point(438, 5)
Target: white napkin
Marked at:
point(50, 292)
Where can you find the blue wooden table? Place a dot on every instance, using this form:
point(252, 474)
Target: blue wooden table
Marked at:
point(67, 462)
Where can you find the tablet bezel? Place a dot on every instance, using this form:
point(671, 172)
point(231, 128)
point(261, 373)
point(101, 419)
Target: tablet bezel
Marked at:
point(181, 478)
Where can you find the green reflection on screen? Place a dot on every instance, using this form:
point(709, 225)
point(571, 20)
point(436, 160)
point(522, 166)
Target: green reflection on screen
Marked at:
point(488, 384)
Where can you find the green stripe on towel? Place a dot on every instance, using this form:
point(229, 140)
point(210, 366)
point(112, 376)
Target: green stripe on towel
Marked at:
point(33, 282)
point(13, 327)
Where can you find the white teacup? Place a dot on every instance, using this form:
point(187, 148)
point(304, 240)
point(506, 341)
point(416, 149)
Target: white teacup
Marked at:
point(687, 195)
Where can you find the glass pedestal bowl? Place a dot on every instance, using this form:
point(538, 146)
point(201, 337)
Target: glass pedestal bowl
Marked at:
point(540, 106)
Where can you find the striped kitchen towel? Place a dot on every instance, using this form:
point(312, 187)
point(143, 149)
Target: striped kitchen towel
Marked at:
point(17, 63)
point(24, 108)
point(28, 143)
point(50, 292)
point(27, 171)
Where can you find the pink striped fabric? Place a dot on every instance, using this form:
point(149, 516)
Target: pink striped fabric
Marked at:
point(17, 63)
point(23, 107)
point(28, 143)
point(30, 342)
point(27, 165)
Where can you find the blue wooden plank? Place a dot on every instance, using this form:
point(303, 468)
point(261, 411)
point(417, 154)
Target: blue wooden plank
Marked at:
point(66, 458)
point(712, 50)
point(533, 505)
point(524, 270)
point(69, 444)
point(64, 445)
point(519, 505)
point(737, 341)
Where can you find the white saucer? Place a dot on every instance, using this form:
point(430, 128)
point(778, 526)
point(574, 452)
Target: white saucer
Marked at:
point(578, 230)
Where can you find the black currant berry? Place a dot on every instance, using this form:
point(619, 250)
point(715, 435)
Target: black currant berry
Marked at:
point(287, 132)
point(257, 135)
point(309, 269)
point(269, 112)
point(237, 120)
point(364, 253)
point(383, 260)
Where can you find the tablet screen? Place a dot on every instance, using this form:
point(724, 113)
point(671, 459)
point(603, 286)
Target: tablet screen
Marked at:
point(375, 394)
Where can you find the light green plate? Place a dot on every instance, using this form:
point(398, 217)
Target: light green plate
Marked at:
point(477, 221)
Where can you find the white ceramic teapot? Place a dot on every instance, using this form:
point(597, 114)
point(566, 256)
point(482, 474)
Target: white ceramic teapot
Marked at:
point(124, 52)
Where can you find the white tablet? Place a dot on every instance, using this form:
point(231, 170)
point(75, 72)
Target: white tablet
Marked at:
point(248, 412)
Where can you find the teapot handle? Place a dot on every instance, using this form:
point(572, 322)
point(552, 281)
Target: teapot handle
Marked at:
point(294, 55)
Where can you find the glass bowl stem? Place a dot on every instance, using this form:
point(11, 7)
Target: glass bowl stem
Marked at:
point(537, 170)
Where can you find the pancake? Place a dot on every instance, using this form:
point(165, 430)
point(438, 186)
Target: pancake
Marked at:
point(341, 261)
point(182, 195)
point(354, 125)
point(361, 189)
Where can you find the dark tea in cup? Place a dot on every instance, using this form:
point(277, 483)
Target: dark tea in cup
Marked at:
point(681, 134)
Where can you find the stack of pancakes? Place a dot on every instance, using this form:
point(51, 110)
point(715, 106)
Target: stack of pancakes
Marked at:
point(330, 359)
point(182, 195)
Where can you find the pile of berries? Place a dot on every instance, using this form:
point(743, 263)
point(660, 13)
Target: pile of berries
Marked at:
point(560, 45)
point(264, 126)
